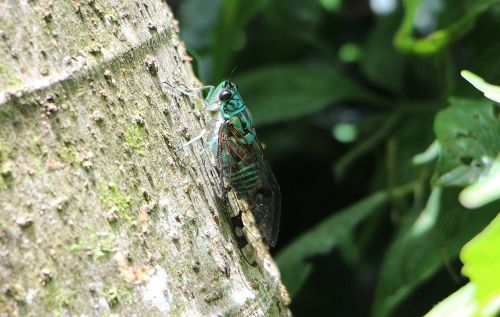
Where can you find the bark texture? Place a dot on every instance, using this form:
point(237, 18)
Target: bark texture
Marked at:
point(99, 214)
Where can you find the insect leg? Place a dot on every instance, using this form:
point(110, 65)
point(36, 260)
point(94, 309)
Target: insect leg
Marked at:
point(190, 92)
point(193, 140)
point(194, 91)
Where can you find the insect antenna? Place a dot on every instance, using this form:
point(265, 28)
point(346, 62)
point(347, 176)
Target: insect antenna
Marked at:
point(232, 72)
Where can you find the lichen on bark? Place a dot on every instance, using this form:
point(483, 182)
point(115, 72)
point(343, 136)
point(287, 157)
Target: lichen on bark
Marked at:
point(99, 212)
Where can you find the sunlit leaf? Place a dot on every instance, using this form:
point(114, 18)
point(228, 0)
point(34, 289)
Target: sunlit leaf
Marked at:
point(484, 190)
point(481, 297)
point(459, 304)
point(481, 264)
point(490, 91)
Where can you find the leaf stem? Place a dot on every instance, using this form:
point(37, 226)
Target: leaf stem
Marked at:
point(343, 163)
point(437, 40)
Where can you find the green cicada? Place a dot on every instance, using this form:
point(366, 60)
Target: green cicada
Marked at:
point(240, 158)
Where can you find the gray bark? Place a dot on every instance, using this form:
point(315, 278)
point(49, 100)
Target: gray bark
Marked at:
point(99, 214)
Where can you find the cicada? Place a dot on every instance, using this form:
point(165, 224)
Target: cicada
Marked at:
point(240, 159)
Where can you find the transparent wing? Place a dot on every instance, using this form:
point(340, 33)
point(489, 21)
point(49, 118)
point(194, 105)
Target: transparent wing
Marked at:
point(251, 177)
point(266, 200)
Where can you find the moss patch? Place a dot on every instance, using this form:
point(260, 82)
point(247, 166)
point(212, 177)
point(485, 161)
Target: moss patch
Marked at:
point(117, 295)
point(135, 139)
point(115, 201)
point(10, 79)
point(34, 146)
point(98, 244)
point(69, 155)
point(57, 298)
point(6, 173)
point(5, 151)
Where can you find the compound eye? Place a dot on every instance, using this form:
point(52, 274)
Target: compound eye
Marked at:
point(224, 95)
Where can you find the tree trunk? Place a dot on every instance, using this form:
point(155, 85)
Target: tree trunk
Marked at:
point(99, 213)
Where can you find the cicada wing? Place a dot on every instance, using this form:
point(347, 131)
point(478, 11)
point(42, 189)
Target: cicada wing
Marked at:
point(251, 177)
point(265, 200)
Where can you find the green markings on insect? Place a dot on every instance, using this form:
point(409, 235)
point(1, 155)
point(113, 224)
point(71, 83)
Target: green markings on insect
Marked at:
point(233, 141)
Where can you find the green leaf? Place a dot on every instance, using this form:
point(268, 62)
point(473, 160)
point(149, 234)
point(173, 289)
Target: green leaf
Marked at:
point(216, 33)
point(380, 61)
point(423, 244)
point(293, 260)
point(481, 264)
point(331, 5)
point(469, 134)
point(412, 136)
point(194, 31)
point(490, 91)
point(459, 304)
point(197, 31)
point(229, 34)
point(280, 93)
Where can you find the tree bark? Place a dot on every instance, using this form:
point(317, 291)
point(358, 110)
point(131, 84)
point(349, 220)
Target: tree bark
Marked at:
point(99, 213)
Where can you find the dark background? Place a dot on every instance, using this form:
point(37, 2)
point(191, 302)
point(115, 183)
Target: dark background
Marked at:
point(344, 96)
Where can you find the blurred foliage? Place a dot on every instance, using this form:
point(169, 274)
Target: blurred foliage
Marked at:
point(468, 132)
point(379, 144)
point(331, 232)
point(480, 297)
point(297, 91)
